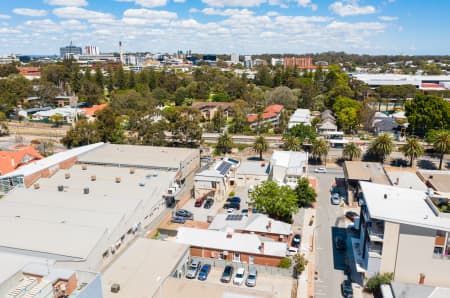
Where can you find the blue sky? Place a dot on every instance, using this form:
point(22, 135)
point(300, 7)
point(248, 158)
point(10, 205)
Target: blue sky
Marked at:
point(225, 26)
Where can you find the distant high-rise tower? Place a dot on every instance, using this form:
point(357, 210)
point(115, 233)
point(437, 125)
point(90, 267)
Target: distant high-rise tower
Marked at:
point(91, 51)
point(69, 51)
point(121, 52)
point(234, 58)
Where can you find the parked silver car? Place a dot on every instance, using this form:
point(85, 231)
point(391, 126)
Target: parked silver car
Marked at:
point(251, 278)
point(193, 269)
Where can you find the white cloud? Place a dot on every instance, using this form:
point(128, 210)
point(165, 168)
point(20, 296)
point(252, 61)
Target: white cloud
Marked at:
point(388, 18)
point(67, 2)
point(4, 17)
point(81, 13)
point(193, 10)
point(42, 26)
point(73, 25)
point(226, 12)
point(30, 12)
point(147, 13)
point(179, 1)
point(351, 8)
point(307, 4)
point(147, 3)
point(233, 3)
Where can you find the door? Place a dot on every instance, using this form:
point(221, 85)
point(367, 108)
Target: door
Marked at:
point(236, 257)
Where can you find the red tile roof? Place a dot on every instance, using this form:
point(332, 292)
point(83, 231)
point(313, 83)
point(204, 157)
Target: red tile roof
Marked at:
point(430, 85)
point(269, 112)
point(94, 109)
point(29, 71)
point(11, 160)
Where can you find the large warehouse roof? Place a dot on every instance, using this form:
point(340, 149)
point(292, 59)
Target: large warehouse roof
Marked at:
point(132, 155)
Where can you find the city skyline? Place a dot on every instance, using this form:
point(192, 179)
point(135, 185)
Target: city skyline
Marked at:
point(226, 26)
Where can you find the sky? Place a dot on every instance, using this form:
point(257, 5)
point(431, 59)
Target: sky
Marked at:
point(413, 27)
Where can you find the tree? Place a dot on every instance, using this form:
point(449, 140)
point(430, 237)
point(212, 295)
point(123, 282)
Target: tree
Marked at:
point(427, 112)
point(382, 146)
point(7, 69)
point(224, 143)
point(305, 193)
point(291, 143)
point(300, 263)
point(184, 125)
point(320, 149)
point(412, 149)
point(120, 79)
point(347, 119)
point(239, 121)
point(57, 119)
point(351, 151)
point(282, 95)
point(221, 97)
point(218, 120)
point(260, 145)
point(441, 144)
point(99, 79)
point(374, 283)
point(83, 133)
point(131, 80)
point(279, 202)
point(304, 133)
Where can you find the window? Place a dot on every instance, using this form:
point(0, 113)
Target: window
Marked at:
point(251, 260)
point(438, 250)
point(236, 257)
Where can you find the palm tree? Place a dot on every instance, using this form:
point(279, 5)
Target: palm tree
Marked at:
point(320, 149)
point(260, 145)
point(351, 150)
point(382, 146)
point(441, 145)
point(292, 143)
point(224, 143)
point(412, 149)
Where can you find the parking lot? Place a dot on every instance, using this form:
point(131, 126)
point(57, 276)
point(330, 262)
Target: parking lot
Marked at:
point(278, 286)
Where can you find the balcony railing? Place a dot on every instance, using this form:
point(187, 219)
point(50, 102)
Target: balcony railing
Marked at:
point(375, 250)
point(376, 233)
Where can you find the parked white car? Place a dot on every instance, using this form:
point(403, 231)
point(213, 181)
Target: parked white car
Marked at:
point(320, 170)
point(335, 199)
point(239, 277)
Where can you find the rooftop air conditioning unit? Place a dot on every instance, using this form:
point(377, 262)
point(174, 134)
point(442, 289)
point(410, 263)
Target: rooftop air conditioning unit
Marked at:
point(37, 186)
point(84, 167)
point(115, 288)
point(60, 187)
point(67, 175)
point(118, 180)
point(132, 170)
point(86, 190)
point(93, 178)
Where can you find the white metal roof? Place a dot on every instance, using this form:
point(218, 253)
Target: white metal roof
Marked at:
point(256, 168)
point(289, 159)
point(246, 243)
point(401, 205)
point(405, 179)
point(50, 161)
point(251, 223)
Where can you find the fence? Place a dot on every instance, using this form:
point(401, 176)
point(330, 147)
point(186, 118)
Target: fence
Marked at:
point(260, 268)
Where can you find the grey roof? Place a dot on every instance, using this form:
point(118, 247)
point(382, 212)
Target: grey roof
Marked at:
point(328, 124)
point(404, 290)
point(252, 223)
point(365, 171)
point(137, 270)
point(137, 156)
point(385, 124)
point(406, 179)
point(256, 168)
point(13, 263)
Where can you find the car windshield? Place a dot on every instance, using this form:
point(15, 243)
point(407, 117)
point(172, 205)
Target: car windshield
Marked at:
point(227, 271)
point(193, 267)
point(204, 269)
point(251, 276)
point(239, 275)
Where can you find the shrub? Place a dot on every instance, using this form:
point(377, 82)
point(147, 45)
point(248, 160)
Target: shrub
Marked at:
point(231, 194)
point(300, 263)
point(374, 283)
point(285, 263)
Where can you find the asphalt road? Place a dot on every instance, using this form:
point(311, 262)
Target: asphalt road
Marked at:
point(330, 263)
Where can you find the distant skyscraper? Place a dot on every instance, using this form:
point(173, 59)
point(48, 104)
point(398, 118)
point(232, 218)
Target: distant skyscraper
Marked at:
point(70, 51)
point(248, 63)
point(92, 51)
point(234, 58)
point(121, 52)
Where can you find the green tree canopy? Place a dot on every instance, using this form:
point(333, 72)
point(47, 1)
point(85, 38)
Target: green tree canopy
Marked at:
point(412, 149)
point(305, 193)
point(441, 144)
point(260, 145)
point(279, 202)
point(351, 151)
point(304, 133)
point(224, 144)
point(382, 146)
point(320, 149)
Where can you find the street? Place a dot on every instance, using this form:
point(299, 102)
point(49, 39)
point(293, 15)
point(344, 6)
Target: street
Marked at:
point(330, 263)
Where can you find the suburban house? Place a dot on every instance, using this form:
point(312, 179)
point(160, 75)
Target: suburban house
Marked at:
point(271, 114)
point(231, 246)
point(286, 167)
point(328, 115)
point(91, 111)
point(401, 231)
point(209, 109)
point(255, 223)
point(327, 126)
point(11, 160)
point(215, 180)
point(300, 116)
point(252, 173)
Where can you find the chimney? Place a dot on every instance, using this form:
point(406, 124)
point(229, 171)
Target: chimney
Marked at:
point(37, 186)
point(385, 196)
point(67, 175)
point(132, 170)
point(118, 180)
point(229, 235)
point(269, 225)
point(84, 167)
point(261, 248)
point(93, 178)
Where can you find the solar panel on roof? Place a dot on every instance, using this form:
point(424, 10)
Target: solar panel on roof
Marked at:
point(223, 168)
point(233, 217)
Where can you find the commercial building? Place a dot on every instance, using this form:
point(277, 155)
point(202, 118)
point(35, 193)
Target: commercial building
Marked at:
point(214, 181)
point(423, 82)
point(231, 246)
point(300, 116)
point(305, 63)
point(30, 73)
point(286, 167)
point(438, 181)
point(234, 58)
point(12, 160)
point(91, 51)
point(401, 231)
point(259, 224)
point(101, 193)
point(142, 269)
point(252, 173)
point(270, 115)
point(70, 51)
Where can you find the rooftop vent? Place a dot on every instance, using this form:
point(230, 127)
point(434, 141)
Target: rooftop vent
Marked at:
point(115, 288)
point(385, 196)
point(60, 187)
point(93, 178)
point(84, 167)
point(67, 175)
point(229, 235)
point(118, 180)
point(431, 177)
point(132, 170)
point(86, 190)
point(37, 186)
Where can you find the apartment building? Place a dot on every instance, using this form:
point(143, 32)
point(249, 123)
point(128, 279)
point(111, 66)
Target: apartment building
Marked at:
point(401, 231)
point(270, 115)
